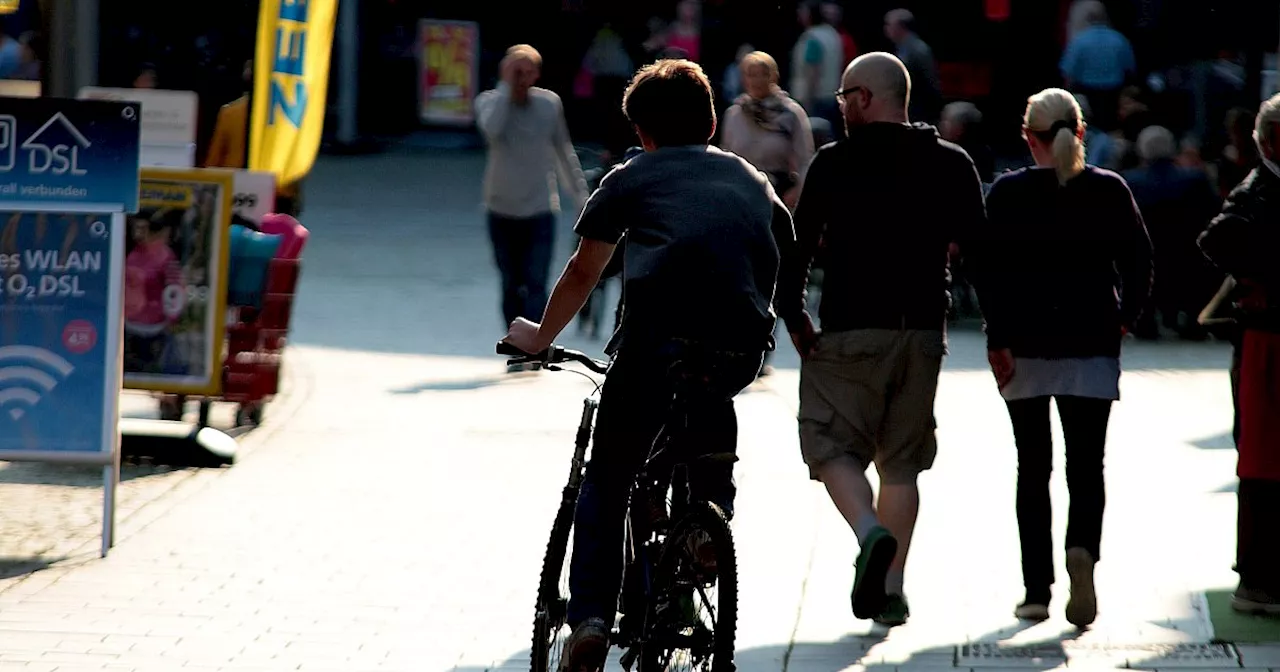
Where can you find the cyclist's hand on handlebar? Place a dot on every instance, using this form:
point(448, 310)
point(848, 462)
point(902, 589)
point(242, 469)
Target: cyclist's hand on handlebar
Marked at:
point(524, 335)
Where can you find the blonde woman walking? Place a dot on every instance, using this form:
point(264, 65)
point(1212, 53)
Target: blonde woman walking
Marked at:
point(769, 129)
point(1063, 273)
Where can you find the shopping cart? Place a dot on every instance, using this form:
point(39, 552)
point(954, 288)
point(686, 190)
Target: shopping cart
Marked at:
point(255, 336)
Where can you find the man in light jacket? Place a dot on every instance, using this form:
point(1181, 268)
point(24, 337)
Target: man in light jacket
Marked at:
point(530, 158)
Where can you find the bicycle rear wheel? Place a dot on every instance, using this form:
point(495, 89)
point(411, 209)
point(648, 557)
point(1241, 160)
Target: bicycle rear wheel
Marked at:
point(549, 627)
point(693, 610)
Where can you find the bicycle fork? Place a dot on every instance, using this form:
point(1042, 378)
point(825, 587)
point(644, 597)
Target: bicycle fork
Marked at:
point(580, 443)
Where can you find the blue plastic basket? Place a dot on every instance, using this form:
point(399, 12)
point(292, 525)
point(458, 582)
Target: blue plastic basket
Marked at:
point(251, 254)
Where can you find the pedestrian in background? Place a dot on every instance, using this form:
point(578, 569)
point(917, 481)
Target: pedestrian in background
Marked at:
point(731, 86)
point(1240, 155)
point(530, 155)
point(1098, 61)
point(816, 65)
point(606, 69)
point(833, 14)
point(1100, 149)
point(31, 68)
point(1243, 241)
point(10, 55)
point(229, 147)
point(888, 202)
point(1177, 204)
point(926, 90)
point(1064, 241)
point(769, 129)
point(146, 77)
point(962, 124)
point(684, 37)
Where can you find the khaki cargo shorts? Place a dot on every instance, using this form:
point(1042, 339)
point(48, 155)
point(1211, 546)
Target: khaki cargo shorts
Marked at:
point(869, 394)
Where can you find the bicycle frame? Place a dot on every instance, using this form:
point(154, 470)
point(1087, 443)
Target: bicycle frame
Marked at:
point(643, 535)
point(644, 532)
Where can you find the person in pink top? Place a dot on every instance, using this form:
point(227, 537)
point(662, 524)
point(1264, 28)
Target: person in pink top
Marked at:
point(153, 293)
point(685, 34)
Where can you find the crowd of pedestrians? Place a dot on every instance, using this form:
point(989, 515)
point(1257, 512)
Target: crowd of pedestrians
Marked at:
point(1063, 257)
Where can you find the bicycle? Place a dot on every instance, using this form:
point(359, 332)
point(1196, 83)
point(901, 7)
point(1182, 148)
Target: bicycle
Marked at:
point(678, 549)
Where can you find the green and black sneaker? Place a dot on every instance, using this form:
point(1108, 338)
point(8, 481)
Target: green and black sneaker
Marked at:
point(877, 553)
point(895, 612)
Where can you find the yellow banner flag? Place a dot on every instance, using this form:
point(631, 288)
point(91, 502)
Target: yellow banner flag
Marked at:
point(290, 82)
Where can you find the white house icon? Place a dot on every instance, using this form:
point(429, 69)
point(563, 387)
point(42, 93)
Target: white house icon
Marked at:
point(57, 159)
point(71, 128)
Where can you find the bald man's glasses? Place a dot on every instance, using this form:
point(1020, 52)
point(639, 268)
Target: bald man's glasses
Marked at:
point(842, 96)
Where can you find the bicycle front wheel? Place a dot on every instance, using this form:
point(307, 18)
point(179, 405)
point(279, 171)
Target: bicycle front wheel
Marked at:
point(549, 627)
point(693, 609)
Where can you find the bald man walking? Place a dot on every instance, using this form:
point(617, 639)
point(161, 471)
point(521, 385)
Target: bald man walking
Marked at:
point(888, 201)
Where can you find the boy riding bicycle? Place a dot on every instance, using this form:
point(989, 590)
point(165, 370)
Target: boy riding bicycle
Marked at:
point(699, 222)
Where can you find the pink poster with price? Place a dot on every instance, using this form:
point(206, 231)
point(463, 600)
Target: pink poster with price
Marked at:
point(175, 281)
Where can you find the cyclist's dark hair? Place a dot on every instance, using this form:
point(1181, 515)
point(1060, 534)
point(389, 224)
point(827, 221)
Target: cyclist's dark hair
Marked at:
point(670, 101)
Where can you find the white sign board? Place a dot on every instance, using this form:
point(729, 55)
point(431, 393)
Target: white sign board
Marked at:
point(255, 195)
point(168, 122)
point(69, 172)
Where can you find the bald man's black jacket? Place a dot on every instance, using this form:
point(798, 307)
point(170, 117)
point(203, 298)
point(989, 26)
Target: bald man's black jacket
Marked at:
point(886, 203)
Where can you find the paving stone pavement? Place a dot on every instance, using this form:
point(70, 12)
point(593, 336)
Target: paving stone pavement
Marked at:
point(53, 512)
point(391, 513)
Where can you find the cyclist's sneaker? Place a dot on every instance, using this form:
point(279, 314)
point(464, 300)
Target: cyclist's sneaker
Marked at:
point(1032, 611)
point(587, 647)
point(1082, 608)
point(1248, 600)
point(895, 612)
point(877, 553)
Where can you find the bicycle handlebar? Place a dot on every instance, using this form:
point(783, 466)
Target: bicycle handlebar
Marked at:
point(551, 356)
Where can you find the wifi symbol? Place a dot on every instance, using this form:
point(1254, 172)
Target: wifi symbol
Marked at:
point(18, 377)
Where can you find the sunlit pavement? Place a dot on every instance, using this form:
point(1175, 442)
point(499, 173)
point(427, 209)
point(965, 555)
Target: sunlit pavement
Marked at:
point(392, 512)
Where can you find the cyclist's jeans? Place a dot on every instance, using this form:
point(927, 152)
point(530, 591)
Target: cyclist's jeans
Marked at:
point(634, 405)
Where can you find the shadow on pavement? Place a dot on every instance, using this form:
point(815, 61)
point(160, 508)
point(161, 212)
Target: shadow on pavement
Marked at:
point(12, 567)
point(1223, 441)
point(994, 649)
point(76, 476)
point(847, 651)
point(990, 650)
point(449, 385)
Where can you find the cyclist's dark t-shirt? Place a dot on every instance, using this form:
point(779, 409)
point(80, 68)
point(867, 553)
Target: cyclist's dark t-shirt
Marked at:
point(704, 231)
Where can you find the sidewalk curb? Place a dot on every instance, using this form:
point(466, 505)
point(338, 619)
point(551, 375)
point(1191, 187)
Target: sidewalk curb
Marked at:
point(295, 389)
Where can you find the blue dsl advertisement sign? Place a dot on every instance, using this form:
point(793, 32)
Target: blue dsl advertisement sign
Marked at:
point(55, 272)
point(69, 152)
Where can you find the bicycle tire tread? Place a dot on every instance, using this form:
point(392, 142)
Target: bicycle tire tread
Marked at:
point(711, 518)
point(549, 579)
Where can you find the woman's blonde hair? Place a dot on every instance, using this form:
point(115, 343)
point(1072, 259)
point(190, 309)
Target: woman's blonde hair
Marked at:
point(1053, 115)
point(763, 60)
